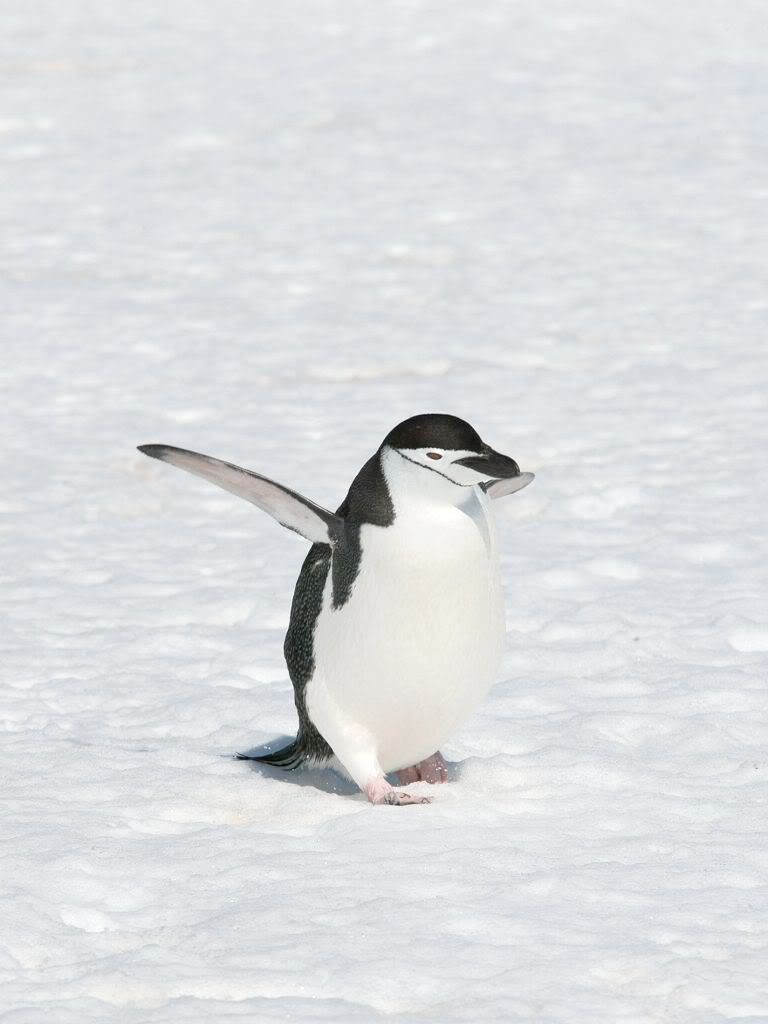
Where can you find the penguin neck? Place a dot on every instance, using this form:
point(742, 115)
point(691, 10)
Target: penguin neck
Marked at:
point(415, 487)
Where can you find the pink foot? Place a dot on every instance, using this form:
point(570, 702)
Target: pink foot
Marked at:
point(432, 769)
point(380, 792)
point(408, 775)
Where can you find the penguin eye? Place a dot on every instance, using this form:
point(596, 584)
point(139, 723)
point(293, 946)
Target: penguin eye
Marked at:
point(434, 455)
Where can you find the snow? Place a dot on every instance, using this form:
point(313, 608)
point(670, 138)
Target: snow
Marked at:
point(270, 232)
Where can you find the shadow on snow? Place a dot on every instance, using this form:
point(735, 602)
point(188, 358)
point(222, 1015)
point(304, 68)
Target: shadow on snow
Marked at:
point(329, 780)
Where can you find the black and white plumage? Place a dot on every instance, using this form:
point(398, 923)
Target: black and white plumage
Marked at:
point(397, 624)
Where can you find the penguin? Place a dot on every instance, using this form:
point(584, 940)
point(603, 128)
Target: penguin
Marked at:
point(397, 629)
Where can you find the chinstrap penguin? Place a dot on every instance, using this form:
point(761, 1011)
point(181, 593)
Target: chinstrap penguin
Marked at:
point(397, 622)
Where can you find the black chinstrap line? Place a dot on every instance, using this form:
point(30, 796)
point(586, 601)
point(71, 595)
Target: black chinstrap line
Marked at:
point(430, 468)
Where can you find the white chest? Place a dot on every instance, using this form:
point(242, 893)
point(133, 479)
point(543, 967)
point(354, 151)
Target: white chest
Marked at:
point(419, 641)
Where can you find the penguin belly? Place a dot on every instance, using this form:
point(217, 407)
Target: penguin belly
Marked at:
point(418, 643)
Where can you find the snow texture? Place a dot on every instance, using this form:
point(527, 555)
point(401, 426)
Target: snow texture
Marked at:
point(268, 232)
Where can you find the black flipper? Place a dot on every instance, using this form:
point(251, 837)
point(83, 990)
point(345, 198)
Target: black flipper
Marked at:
point(289, 508)
point(289, 757)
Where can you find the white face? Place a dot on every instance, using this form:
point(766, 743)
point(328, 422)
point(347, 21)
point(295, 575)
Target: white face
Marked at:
point(444, 462)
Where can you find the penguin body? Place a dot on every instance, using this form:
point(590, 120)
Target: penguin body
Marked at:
point(414, 648)
point(397, 621)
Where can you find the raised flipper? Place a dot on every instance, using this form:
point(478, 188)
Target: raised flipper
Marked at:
point(500, 488)
point(290, 509)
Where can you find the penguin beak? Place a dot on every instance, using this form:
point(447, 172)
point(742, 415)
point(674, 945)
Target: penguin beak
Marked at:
point(492, 465)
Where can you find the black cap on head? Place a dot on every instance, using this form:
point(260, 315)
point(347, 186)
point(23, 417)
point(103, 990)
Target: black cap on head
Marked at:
point(435, 430)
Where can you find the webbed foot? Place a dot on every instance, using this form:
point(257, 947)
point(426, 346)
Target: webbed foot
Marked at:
point(432, 769)
point(381, 792)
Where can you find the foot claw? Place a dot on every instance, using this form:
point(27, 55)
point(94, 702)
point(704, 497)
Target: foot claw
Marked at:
point(400, 799)
point(380, 792)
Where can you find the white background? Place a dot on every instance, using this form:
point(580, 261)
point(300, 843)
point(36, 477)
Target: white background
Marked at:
point(269, 232)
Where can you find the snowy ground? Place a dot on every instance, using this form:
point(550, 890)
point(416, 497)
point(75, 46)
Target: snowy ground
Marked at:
point(269, 232)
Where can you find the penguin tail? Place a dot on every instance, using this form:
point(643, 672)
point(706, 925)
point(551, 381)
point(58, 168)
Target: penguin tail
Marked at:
point(289, 757)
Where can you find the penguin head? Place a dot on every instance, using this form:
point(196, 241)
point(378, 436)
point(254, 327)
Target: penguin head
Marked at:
point(449, 446)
